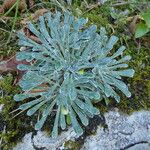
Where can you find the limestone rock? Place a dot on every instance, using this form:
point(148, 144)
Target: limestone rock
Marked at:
point(123, 132)
point(26, 143)
point(43, 141)
point(144, 146)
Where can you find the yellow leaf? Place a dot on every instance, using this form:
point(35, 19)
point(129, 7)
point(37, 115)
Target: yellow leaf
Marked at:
point(81, 71)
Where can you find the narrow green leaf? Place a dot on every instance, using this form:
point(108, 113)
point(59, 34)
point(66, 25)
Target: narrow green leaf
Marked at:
point(62, 121)
point(68, 119)
point(45, 114)
point(125, 73)
point(30, 104)
point(20, 97)
point(81, 115)
point(122, 87)
point(119, 52)
point(55, 128)
point(31, 111)
point(75, 123)
point(112, 41)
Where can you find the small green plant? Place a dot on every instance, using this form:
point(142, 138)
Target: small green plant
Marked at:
point(144, 26)
point(70, 69)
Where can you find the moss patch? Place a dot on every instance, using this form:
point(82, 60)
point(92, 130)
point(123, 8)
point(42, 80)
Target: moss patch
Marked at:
point(9, 49)
point(72, 145)
point(15, 128)
point(139, 87)
point(96, 17)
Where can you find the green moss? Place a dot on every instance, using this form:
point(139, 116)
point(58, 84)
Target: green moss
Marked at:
point(9, 49)
point(140, 84)
point(15, 129)
point(73, 145)
point(139, 87)
point(96, 16)
point(96, 19)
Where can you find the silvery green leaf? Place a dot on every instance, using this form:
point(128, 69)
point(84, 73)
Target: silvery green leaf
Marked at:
point(45, 114)
point(81, 115)
point(125, 73)
point(108, 90)
point(62, 121)
point(23, 55)
point(71, 89)
point(29, 85)
point(32, 110)
point(68, 18)
point(112, 41)
point(91, 95)
point(119, 52)
point(33, 29)
point(40, 123)
point(24, 67)
point(43, 29)
point(87, 107)
point(30, 104)
point(55, 128)
point(118, 66)
point(75, 123)
point(124, 59)
point(79, 23)
point(20, 97)
point(122, 86)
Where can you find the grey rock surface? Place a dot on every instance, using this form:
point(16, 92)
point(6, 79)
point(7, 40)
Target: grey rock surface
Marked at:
point(143, 146)
point(26, 143)
point(43, 141)
point(123, 133)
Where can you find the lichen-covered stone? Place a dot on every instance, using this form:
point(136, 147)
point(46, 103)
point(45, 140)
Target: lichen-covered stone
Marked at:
point(123, 132)
point(143, 146)
point(26, 144)
point(43, 141)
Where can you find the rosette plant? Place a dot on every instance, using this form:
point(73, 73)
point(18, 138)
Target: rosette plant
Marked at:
point(69, 69)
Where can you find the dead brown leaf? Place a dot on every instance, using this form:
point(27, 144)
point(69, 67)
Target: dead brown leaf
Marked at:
point(9, 3)
point(132, 25)
point(34, 16)
point(30, 35)
point(31, 3)
point(11, 64)
point(42, 88)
